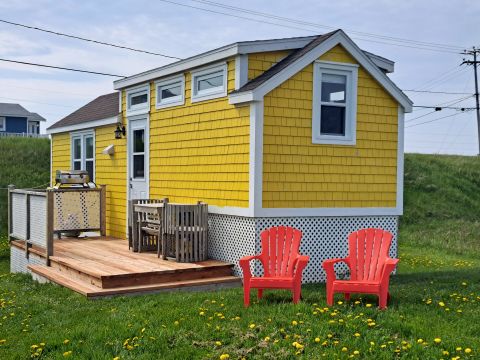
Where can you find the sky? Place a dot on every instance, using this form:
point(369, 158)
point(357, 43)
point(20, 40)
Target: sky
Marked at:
point(165, 27)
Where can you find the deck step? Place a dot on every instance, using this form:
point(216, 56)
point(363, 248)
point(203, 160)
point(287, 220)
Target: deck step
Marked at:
point(91, 291)
point(102, 278)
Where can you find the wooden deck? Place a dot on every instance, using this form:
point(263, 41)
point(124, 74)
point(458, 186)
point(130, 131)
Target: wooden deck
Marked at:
point(103, 266)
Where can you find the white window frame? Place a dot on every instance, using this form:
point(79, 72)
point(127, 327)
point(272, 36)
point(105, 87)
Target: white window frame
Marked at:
point(3, 121)
point(139, 108)
point(82, 135)
point(351, 73)
point(219, 91)
point(173, 101)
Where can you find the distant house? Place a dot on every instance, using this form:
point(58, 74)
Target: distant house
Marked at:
point(15, 120)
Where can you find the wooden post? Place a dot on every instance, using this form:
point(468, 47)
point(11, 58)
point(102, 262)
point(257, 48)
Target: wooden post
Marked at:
point(49, 227)
point(103, 210)
point(10, 224)
point(27, 223)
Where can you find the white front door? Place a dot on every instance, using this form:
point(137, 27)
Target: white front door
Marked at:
point(138, 156)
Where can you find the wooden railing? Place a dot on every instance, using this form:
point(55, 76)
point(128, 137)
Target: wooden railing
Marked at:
point(9, 134)
point(35, 216)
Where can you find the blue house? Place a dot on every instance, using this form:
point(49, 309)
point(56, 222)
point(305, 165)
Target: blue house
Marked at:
point(15, 120)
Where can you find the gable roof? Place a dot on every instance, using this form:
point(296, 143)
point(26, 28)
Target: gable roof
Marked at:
point(103, 107)
point(237, 48)
point(17, 110)
point(255, 89)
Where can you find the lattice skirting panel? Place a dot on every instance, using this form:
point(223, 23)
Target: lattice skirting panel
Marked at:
point(231, 237)
point(19, 263)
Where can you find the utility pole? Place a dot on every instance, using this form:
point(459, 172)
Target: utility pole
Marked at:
point(474, 52)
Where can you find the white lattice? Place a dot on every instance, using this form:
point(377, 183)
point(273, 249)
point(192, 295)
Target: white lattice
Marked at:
point(19, 262)
point(231, 237)
point(19, 216)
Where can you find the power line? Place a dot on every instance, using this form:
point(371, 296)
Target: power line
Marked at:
point(437, 92)
point(429, 121)
point(61, 68)
point(88, 40)
point(418, 117)
point(438, 108)
point(312, 24)
point(300, 28)
point(35, 102)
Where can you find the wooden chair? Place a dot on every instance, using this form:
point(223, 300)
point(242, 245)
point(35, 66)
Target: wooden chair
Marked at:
point(135, 221)
point(369, 263)
point(281, 261)
point(186, 233)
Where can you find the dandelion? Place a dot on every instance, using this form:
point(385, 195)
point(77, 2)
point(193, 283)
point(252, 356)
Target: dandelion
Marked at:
point(224, 357)
point(67, 353)
point(3, 341)
point(356, 335)
point(267, 338)
point(294, 323)
point(252, 326)
point(441, 303)
point(218, 343)
point(202, 313)
point(340, 302)
point(420, 341)
point(344, 349)
point(437, 340)
point(176, 323)
point(116, 358)
point(66, 341)
point(356, 352)
point(458, 348)
point(368, 305)
point(317, 340)
point(445, 352)
point(468, 350)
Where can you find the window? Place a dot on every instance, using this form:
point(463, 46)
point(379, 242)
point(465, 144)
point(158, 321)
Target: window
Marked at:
point(334, 103)
point(170, 92)
point(138, 100)
point(138, 171)
point(83, 153)
point(3, 124)
point(209, 83)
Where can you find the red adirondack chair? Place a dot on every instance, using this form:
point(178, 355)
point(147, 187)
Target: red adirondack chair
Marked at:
point(369, 263)
point(281, 261)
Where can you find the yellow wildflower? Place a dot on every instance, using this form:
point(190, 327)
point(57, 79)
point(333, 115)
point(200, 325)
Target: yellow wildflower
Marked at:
point(441, 303)
point(344, 349)
point(445, 352)
point(218, 343)
point(368, 305)
point(251, 326)
point(437, 340)
point(224, 357)
point(420, 341)
point(468, 350)
point(66, 341)
point(356, 335)
point(67, 353)
point(116, 358)
point(458, 348)
point(356, 352)
point(202, 313)
point(317, 340)
point(294, 323)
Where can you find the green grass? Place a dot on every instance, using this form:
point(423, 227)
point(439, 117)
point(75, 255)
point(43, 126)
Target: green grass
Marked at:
point(439, 266)
point(24, 162)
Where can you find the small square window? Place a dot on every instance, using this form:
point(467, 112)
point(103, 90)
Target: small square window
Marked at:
point(209, 83)
point(170, 92)
point(138, 100)
point(334, 103)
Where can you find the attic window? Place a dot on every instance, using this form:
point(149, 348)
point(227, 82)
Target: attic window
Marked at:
point(137, 100)
point(334, 103)
point(209, 83)
point(170, 92)
point(3, 125)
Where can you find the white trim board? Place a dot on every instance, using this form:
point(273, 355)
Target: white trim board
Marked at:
point(246, 47)
point(84, 125)
point(400, 158)
point(338, 38)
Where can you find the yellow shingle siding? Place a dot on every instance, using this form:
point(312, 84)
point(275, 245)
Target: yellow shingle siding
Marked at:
point(200, 151)
point(60, 153)
point(299, 174)
point(258, 63)
point(112, 171)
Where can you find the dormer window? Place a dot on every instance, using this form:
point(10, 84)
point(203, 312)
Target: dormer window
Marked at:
point(334, 103)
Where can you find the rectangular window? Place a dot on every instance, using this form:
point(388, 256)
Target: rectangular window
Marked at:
point(138, 154)
point(3, 124)
point(334, 103)
point(209, 83)
point(170, 92)
point(83, 153)
point(138, 100)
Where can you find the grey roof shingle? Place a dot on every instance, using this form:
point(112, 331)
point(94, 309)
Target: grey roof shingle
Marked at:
point(17, 110)
point(282, 64)
point(104, 106)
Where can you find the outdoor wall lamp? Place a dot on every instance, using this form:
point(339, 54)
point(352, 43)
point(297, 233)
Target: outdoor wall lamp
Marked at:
point(119, 131)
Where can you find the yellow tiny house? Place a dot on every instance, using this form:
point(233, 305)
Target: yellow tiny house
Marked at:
point(304, 132)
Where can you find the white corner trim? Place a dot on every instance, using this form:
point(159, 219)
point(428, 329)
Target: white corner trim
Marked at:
point(174, 101)
point(400, 158)
point(120, 101)
point(241, 70)
point(220, 91)
point(256, 156)
point(85, 125)
point(338, 38)
point(350, 71)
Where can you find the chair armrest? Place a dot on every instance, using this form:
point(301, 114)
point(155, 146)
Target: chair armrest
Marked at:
point(388, 267)
point(300, 263)
point(244, 263)
point(329, 269)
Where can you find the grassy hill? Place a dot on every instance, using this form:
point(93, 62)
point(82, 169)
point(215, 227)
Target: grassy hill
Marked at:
point(24, 162)
point(442, 203)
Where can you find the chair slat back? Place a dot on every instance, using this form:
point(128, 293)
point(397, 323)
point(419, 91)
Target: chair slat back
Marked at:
point(368, 250)
point(280, 246)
